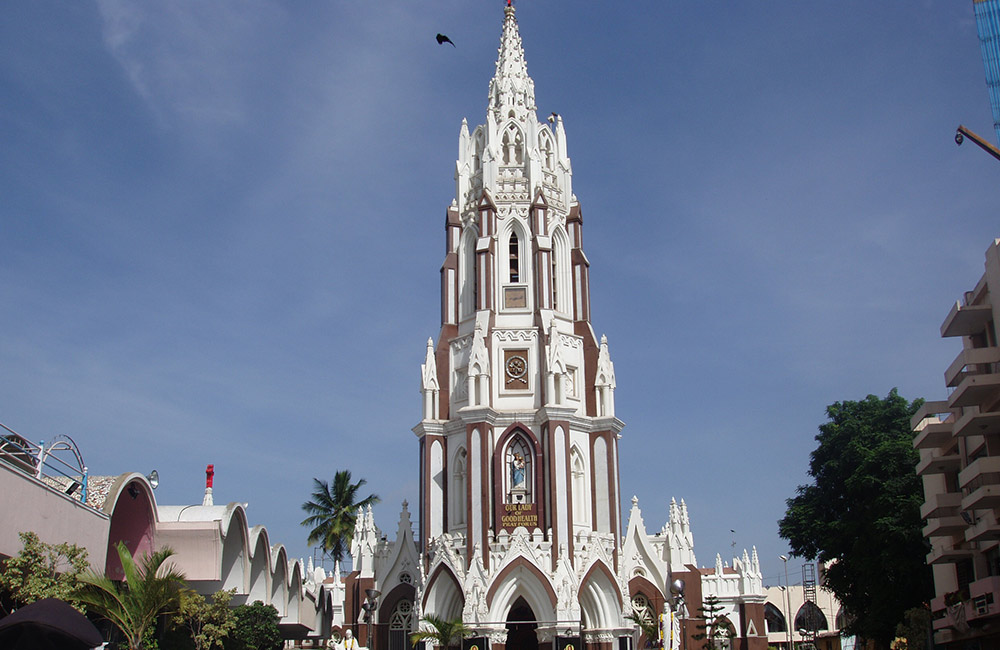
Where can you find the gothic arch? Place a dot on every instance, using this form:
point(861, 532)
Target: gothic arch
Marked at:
point(443, 596)
point(294, 592)
point(774, 619)
point(643, 608)
point(521, 579)
point(131, 509)
point(518, 433)
point(391, 599)
point(436, 488)
point(467, 272)
point(581, 494)
point(547, 149)
point(478, 148)
point(600, 598)
point(516, 251)
point(512, 145)
point(260, 566)
point(599, 467)
point(810, 617)
point(841, 619)
point(640, 585)
point(562, 285)
point(279, 581)
point(235, 550)
point(727, 634)
point(457, 488)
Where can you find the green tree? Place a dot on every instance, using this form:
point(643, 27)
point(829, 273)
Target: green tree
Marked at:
point(150, 588)
point(916, 628)
point(861, 515)
point(447, 634)
point(333, 512)
point(256, 628)
point(209, 622)
point(712, 626)
point(42, 570)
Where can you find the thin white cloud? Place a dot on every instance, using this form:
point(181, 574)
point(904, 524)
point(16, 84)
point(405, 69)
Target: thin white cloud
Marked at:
point(188, 60)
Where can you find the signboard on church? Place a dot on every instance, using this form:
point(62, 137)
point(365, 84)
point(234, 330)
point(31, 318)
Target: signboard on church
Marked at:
point(568, 643)
point(476, 643)
point(513, 515)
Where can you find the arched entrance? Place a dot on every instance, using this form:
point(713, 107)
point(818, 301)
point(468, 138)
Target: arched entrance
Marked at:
point(400, 625)
point(521, 627)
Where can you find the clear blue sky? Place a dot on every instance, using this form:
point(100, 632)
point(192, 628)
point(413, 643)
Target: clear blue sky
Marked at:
point(222, 227)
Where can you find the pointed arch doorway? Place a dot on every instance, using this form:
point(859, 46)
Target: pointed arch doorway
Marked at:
point(521, 627)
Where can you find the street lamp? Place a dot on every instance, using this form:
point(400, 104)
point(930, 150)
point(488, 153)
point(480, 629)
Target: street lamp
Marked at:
point(788, 604)
point(370, 604)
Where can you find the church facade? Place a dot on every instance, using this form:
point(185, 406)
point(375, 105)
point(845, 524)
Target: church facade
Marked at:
point(518, 528)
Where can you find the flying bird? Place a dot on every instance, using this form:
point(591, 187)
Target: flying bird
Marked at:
point(441, 39)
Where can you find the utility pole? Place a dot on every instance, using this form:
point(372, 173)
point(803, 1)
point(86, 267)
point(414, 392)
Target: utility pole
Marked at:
point(788, 605)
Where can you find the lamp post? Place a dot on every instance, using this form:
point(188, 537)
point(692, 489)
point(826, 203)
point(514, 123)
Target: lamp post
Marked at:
point(788, 604)
point(370, 604)
point(677, 591)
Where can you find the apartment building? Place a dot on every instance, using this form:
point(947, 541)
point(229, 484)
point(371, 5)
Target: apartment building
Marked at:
point(959, 443)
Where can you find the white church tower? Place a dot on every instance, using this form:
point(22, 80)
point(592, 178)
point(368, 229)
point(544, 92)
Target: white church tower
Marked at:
point(519, 515)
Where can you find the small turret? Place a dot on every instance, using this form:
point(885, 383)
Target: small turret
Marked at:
point(429, 383)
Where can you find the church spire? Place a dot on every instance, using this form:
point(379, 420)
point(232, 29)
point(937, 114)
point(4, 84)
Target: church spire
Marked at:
point(511, 89)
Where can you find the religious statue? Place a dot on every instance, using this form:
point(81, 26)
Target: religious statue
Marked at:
point(517, 471)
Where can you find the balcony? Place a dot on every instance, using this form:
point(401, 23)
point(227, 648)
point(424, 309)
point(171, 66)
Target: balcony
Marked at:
point(929, 410)
point(986, 496)
point(944, 526)
point(938, 464)
point(944, 504)
point(981, 482)
point(984, 527)
point(966, 320)
point(946, 553)
point(965, 364)
point(933, 435)
point(974, 390)
point(980, 472)
point(975, 423)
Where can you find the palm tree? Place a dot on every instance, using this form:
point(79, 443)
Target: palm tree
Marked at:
point(447, 634)
point(149, 589)
point(333, 512)
point(647, 627)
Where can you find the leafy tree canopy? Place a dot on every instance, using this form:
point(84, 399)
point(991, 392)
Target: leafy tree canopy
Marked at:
point(915, 628)
point(43, 570)
point(256, 628)
point(333, 511)
point(861, 515)
point(208, 621)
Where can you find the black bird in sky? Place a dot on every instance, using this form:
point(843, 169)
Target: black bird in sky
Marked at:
point(441, 39)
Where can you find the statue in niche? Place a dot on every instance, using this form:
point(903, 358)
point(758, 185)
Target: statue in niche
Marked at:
point(518, 465)
point(517, 471)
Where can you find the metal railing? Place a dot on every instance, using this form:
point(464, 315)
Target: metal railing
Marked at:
point(58, 464)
